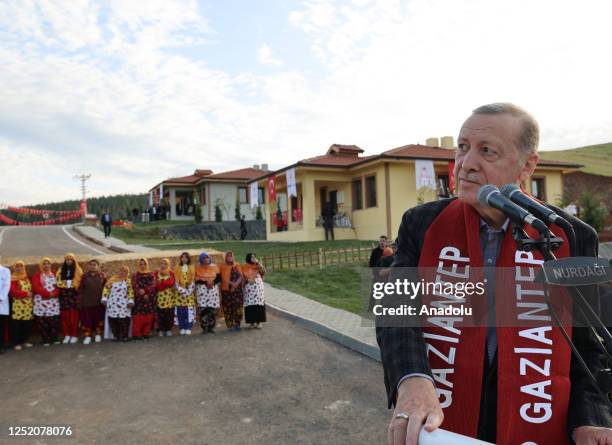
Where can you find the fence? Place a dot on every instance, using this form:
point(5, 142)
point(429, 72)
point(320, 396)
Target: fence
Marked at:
point(321, 258)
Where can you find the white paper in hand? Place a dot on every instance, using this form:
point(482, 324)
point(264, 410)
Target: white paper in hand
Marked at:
point(443, 437)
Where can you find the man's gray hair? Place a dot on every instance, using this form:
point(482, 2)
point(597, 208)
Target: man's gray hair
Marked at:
point(529, 137)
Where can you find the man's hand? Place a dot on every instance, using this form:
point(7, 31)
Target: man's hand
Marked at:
point(416, 396)
point(592, 435)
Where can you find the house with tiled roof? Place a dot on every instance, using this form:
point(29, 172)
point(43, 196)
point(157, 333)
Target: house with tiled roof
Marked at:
point(179, 196)
point(371, 193)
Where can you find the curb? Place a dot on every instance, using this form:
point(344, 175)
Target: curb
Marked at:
point(98, 242)
point(322, 330)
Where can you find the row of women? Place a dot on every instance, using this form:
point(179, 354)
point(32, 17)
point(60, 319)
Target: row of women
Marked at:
point(125, 305)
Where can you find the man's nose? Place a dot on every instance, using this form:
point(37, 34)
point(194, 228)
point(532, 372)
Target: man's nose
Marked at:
point(470, 161)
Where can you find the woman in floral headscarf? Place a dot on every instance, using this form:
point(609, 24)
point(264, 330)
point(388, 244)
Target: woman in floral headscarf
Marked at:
point(184, 275)
point(22, 305)
point(118, 297)
point(254, 303)
point(166, 294)
point(68, 279)
point(207, 278)
point(46, 303)
point(232, 297)
point(143, 313)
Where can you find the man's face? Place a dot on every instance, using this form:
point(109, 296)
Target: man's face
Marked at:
point(46, 265)
point(382, 242)
point(487, 153)
point(93, 267)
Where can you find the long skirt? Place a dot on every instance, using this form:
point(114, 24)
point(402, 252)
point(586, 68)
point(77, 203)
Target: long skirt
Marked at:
point(255, 314)
point(208, 319)
point(70, 322)
point(49, 328)
point(232, 307)
point(20, 331)
point(92, 320)
point(165, 319)
point(120, 327)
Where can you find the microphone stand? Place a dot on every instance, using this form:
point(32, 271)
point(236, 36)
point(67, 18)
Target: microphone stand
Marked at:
point(546, 244)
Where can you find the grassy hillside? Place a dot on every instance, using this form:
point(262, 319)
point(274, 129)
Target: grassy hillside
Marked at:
point(597, 159)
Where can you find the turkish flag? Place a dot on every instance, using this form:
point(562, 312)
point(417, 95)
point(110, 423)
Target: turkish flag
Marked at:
point(451, 175)
point(272, 189)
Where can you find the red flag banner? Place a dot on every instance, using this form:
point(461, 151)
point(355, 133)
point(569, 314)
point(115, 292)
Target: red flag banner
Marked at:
point(272, 189)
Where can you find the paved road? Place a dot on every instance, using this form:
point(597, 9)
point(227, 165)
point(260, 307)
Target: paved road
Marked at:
point(21, 241)
point(279, 385)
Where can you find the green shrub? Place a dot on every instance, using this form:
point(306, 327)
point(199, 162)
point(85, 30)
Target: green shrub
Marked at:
point(592, 212)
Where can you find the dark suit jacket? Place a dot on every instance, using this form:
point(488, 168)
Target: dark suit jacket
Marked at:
point(403, 348)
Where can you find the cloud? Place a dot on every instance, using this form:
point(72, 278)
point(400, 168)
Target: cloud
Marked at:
point(120, 89)
point(265, 57)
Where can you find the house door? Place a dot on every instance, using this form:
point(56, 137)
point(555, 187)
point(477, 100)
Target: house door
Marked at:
point(323, 197)
point(333, 198)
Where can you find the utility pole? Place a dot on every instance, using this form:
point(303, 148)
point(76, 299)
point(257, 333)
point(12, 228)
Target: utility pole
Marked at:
point(83, 178)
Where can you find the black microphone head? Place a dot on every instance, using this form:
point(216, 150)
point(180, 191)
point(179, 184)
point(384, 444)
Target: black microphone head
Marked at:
point(507, 189)
point(484, 192)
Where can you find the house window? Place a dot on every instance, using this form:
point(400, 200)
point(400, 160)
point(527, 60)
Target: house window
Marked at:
point(538, 190)
point(443, 187)
point(296, 210)
point(357, 194)
point(370, 185)
point(243, 195)
point(203, 196)
point(261, 199)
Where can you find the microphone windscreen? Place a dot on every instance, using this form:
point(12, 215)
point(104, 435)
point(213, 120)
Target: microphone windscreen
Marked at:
point(507, 189)
point(484, 193)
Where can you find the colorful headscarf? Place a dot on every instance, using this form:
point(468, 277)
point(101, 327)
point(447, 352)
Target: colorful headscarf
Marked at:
point(40, 265)
point(78, 272)
point(19, 276)
point(183, 279)
point(205, 271)
point(117, 277)
point(142, 269)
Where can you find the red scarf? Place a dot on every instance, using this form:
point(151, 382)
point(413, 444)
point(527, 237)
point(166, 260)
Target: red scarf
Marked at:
point(533, 383)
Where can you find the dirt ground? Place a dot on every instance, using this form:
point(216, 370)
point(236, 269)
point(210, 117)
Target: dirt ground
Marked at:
point(278, 385)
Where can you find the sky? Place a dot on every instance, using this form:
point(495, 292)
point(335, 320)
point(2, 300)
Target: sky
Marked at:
point(133, 92)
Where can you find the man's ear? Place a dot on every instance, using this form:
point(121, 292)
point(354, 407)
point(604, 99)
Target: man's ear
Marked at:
point(529, 167)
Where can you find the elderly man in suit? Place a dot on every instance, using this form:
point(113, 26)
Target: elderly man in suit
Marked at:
point(472, 395)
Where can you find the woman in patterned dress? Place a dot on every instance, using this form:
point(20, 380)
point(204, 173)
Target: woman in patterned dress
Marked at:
point(46, 303)
point(207, 279)
point(68, 279)
point(254, 302)
point(143, 282)
point(231, 292)
point(164, 281)
point(118, 297)
point(184, 275)
point(91, 310)
point(22, 306)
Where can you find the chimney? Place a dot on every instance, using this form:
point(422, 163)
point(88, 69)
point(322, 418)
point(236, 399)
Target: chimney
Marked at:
point(264, 167)
point(447, 142)
point(256, 166)
point(432, 142)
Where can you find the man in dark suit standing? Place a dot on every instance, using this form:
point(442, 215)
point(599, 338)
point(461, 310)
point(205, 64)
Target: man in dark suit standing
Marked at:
point(497, 145)
point(107, 223)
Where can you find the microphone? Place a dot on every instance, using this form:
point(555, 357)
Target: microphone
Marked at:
point(517, 196)
point(490, 196)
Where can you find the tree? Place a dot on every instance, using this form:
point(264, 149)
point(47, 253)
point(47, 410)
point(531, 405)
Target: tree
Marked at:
point(237, 213)
point(258, 214)
point(198, 213)
point(592, 212)
point(218, 214)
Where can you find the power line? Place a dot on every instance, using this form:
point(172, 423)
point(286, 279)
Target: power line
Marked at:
point(83, 178)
